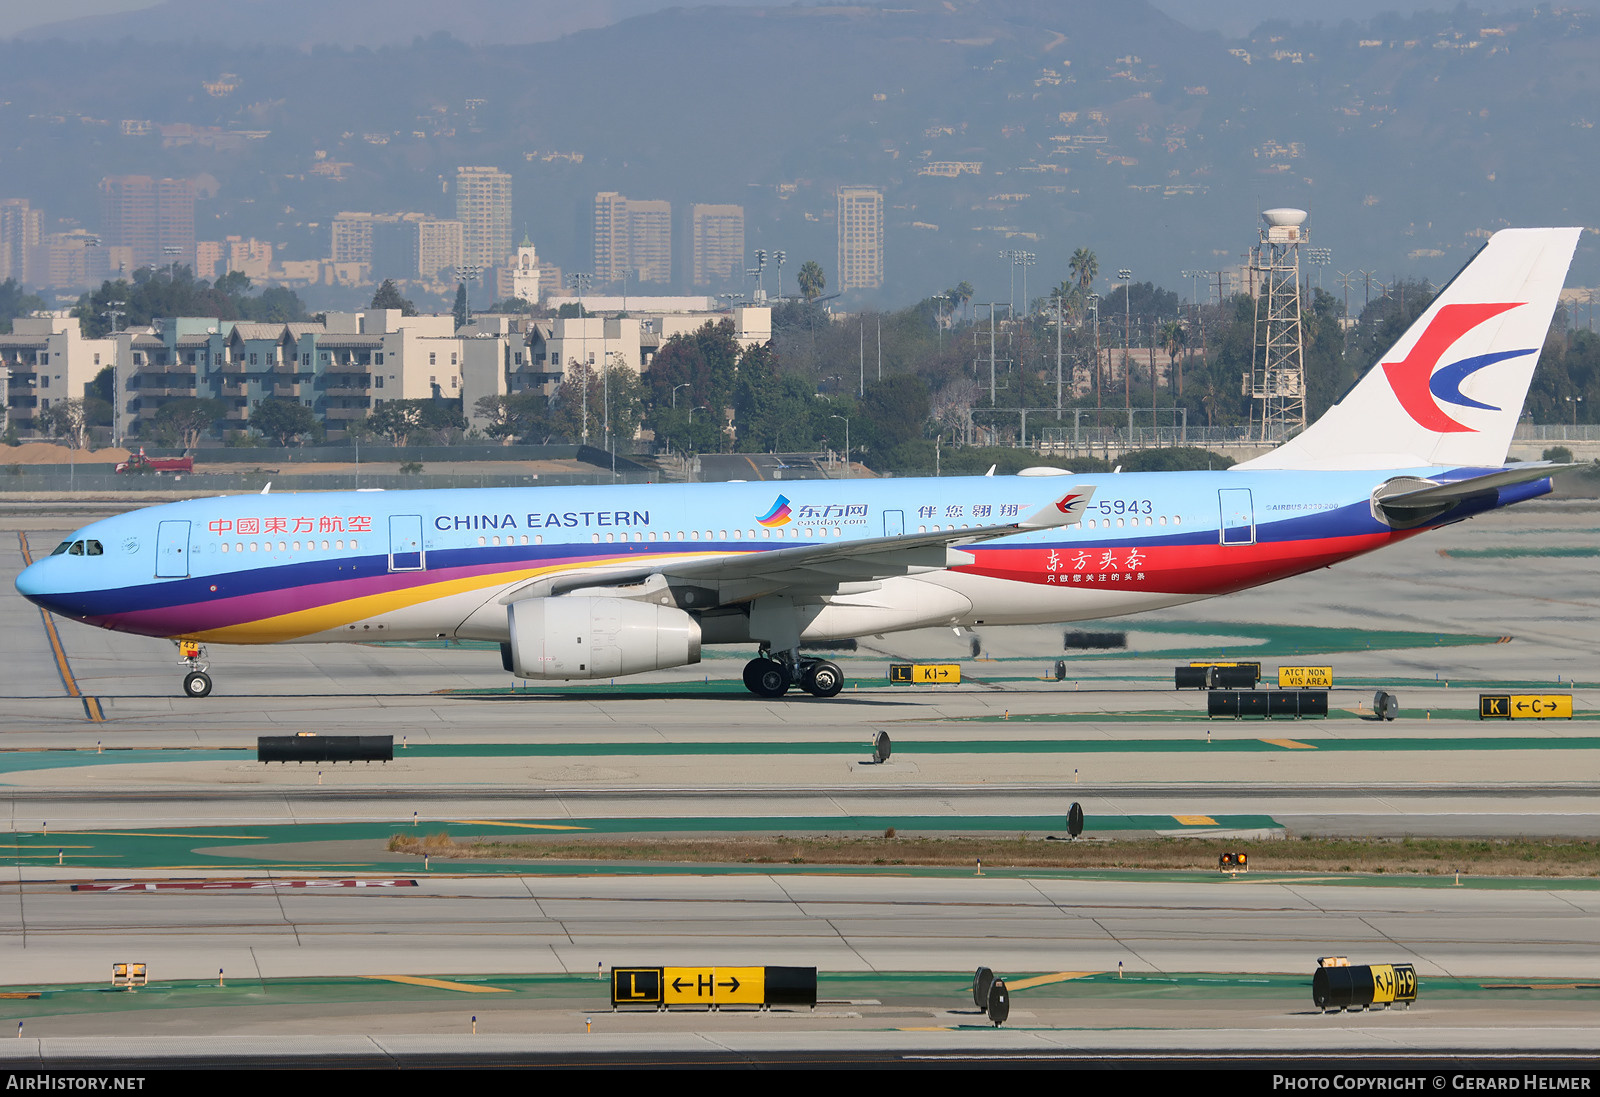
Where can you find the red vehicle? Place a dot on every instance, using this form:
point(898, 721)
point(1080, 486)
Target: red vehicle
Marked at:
point(140, 463)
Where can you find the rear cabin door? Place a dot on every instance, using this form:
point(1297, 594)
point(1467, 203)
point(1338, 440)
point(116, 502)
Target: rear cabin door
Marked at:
point(172, 550)
point(1238, 516)
point(405, 542)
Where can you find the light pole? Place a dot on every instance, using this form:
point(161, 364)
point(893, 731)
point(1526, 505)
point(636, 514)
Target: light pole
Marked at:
point(1319, 258)
point(114, 312)
point(581, 282)
point(702, 407)
point(469, 274)
point(675, 388)
point(1094, 307)
point(846, 442)
point(1575, 401)
point(777, 260)
point(1126, 278)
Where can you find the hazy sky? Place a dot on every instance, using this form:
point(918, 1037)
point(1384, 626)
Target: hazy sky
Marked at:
point(19, 15)
point(1229, 16)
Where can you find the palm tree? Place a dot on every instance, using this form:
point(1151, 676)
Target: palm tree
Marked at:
point(1084, 266)
point(1173, 338)
point(960, 295)
point(812, 280)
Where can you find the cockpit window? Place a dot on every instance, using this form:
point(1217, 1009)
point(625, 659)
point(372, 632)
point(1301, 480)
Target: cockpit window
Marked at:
point(80, 548)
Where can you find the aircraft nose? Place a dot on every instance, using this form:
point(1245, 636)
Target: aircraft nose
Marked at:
point(33, 582)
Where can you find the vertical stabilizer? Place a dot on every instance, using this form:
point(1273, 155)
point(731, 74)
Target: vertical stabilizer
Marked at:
point(1451, 390)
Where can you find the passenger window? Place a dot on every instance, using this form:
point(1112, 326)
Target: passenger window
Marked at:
point(538, 538)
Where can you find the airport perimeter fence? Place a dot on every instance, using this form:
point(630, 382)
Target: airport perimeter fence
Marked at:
point(103, 480)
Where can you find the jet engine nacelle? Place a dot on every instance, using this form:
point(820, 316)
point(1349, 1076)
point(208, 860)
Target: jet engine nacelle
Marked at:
point(564, 637)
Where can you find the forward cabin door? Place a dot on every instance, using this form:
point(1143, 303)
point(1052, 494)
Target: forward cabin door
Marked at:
point(894, 523)
point(405, 542)
point(1238, 516)
point(172, 550)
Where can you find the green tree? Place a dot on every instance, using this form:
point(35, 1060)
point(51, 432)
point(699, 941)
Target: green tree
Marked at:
point(398, 420)
point(388, 297)
point(284, 421)
point(14, 302)
point(66, 420)
point(811, 279)
point(703, 364)
point(460, 308)
point(183, 421)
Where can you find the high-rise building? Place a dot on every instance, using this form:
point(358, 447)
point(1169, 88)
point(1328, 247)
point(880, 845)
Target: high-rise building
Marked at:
point(153, 217)
point(20, 229)
point(440, 247)
point(483, 206)
point(352, 238)
point(632, 239)
point(718, 234)
point(860, 238)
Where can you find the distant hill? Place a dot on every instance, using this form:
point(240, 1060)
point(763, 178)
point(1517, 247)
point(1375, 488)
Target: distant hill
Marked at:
point(349, 23)
point(990, 125)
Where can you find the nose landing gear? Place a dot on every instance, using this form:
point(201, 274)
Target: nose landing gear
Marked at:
point(197, 683)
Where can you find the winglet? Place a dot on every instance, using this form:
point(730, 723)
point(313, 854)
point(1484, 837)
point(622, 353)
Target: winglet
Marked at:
point(1067, 509)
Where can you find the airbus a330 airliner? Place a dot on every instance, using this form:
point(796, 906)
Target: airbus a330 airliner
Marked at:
point(579, 582)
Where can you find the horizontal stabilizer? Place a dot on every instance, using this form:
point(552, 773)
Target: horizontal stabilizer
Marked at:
point(1414, 505)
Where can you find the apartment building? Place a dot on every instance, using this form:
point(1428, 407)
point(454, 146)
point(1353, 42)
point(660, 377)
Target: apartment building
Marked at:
point(483, 206)
point(154, 217)
point(860, 238)
point(717, 235)
point(632, 239)
point(43, 361)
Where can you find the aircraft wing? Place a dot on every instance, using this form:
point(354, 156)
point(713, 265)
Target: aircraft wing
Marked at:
point(824, 566)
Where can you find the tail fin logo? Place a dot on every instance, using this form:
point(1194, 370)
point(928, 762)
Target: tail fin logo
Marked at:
point(1419, 386)
point(778, 515)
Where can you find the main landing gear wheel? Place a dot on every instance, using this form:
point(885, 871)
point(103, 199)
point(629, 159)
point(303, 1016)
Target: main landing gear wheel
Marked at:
point(197, 684)
point(822, 680)
point(766, 678)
